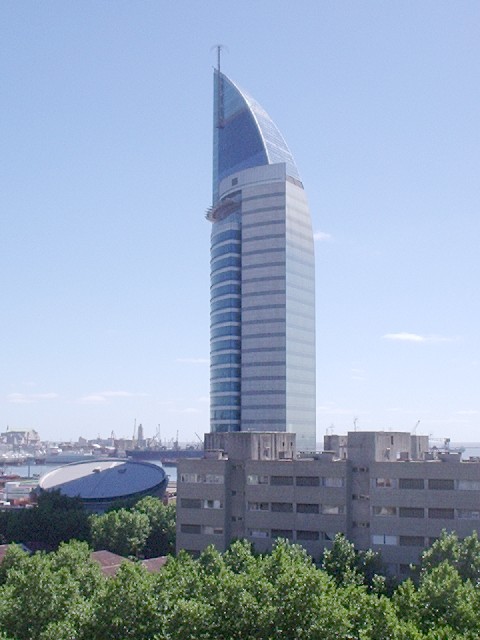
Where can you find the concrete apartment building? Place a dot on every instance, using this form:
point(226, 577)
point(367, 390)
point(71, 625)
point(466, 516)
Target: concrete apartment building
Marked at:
point(383, 490)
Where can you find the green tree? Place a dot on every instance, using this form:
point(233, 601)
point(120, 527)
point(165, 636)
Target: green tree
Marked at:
point(463, 555)
point(126, 607)
point(55, 519)
point(348, 566)
point(339, 561)
point(13, 558)
point(444, 600)
point(45, 591)
point(162, 521)
point(123, 532)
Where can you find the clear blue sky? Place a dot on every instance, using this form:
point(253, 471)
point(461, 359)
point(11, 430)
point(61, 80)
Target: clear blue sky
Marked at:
point(105, 176)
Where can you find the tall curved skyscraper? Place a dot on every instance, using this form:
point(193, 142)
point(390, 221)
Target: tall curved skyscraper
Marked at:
point(262, 313)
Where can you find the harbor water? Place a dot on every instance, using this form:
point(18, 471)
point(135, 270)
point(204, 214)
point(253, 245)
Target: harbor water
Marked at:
point(37, 470)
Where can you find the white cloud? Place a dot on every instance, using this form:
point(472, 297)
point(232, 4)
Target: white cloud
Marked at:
point(93, 399)
point(404, 336)
point(102, 397)
point(121, 394)
point(44, 396)
point(186, 410)
point(468, 412)
point(322, 236)
point(193, 360)
point(29, 398)
point(19, 398)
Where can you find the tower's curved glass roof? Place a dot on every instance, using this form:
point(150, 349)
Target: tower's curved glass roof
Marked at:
point(244, 134)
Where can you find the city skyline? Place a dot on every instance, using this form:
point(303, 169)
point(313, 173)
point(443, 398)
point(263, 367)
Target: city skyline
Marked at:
point(104, 183)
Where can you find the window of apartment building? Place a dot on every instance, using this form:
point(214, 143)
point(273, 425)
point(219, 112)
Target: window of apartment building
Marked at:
point(214, 478)
point(212, 531)
point(191, 503)
point(282, 533)
point(308, 535)
point(307, 481)
point(384, 539)
point(468, 514)
point(212, 504)
point(258, 506)
point(208, 478)
point(259, 533)
point(469, 485)
point(412, 541)
point(411, 483)
point(441, 514)
point(360, 469)
point(384, 511)
point(254, 478)
point(360, 525)
point(281, 507)
point(188, 477)
point(190, 528)
point(333, 482)
point(384, 483)
point(411, 512)
point(441, 483)
point(281, 481)
point(308, 508)
point(333, 509)
point(360, 496)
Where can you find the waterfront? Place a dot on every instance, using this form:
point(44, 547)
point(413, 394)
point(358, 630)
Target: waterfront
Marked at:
point(470, 449)
point(38, 470)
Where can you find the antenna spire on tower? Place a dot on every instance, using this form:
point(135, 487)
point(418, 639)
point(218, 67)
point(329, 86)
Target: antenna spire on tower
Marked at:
point(220, 115)
point(219, 48)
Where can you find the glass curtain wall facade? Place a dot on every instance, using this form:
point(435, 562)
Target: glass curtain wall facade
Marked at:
point(262, 347)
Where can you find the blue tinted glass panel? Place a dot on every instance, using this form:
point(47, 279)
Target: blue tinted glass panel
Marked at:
point(226, 303)
point(225, 372)
point(230, 234)
point(229, 261)
point(231, 330)
point(225, 289)
point(225, 386)
point(228, 316)
point(226, 275)
point(226, 401)
point(225, 414)
point(226, 358)
point(222, 345)
point(225, 428)
point(231, 247)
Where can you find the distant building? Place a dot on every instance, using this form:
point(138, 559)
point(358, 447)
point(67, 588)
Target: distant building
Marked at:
point(383, 490)
point(262, 284)
point(20, 438)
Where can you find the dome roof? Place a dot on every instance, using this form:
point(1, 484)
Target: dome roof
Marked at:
point(105, 479)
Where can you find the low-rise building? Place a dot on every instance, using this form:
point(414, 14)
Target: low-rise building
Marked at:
point(383, 490)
